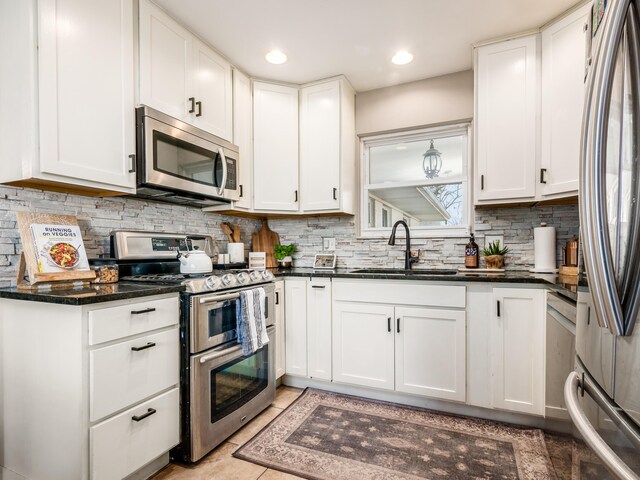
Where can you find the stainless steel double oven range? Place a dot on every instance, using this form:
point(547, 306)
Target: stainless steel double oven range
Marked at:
point(221, 389)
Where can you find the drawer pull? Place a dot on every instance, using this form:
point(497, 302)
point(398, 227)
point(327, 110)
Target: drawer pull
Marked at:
point(139, 312)
point(317, 286)
point(148, 345)
point(137, 418)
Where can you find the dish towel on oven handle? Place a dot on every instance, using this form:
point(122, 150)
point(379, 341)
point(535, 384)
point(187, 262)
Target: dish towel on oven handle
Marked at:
point(251, 328)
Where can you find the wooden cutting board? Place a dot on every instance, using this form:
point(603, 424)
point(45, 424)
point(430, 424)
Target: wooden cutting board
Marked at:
point(264, 241)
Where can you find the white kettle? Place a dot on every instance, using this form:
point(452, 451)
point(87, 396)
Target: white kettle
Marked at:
point(194, 261)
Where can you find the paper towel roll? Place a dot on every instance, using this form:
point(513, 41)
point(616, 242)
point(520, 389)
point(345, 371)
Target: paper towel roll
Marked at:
point(544, 242)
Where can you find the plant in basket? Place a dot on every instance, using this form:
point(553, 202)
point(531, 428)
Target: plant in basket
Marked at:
point(283, 254)
point(494, 255)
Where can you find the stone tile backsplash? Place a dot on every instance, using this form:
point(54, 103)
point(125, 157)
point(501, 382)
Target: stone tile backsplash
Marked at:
point(98, 216)
point(516, 224)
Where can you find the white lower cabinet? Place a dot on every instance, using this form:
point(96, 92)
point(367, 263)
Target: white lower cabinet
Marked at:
point(430, 352)
point(110, 391)
point(295, 301)
point(517, 350)
point(414, 349)
point(280, 328)
point(319, 328)
point(128, 441)
point(308, 327)
point(363, 342)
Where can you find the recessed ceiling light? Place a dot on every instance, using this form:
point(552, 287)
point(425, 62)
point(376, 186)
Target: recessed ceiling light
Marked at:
point(402, 57)
point(276, 57)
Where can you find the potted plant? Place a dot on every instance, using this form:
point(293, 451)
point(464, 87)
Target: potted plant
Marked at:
point(494, 255)
point(283, 254)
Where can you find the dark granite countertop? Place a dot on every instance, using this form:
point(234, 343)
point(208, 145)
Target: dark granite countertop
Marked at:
point(96, 293)
point(553, 281)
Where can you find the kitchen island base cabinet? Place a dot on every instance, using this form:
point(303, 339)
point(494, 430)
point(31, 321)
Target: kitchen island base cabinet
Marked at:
point(46, 380)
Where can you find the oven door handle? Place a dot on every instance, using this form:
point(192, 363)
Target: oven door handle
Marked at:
point(220, 298)
point(222, 353)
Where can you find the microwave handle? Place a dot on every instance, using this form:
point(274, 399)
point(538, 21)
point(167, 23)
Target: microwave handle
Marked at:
point(224, 172)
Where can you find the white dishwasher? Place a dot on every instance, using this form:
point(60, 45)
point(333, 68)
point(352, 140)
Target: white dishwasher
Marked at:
point(560, 352)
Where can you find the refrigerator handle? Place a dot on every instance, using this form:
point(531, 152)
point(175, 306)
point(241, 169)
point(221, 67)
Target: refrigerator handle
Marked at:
point(589, 433)
point(593, 207)
point(630, 299)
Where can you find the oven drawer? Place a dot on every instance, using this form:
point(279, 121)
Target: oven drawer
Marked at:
point(112, 323)
point(121, 445)
point(128, 372)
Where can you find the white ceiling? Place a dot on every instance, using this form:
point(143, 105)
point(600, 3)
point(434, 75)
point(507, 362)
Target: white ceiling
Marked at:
point(357, 38)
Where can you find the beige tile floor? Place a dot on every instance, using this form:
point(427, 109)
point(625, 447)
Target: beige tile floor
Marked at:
point(220, 465)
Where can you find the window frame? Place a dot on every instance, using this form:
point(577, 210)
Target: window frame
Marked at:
point(435, 231)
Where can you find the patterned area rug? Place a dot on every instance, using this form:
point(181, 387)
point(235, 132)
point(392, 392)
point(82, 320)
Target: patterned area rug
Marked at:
point(327, 436)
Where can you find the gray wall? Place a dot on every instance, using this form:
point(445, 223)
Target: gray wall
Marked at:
point(425, 102)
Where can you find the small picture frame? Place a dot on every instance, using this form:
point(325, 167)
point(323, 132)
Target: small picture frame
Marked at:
point(324, 261)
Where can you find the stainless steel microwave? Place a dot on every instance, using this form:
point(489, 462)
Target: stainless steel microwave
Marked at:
point(182, 164)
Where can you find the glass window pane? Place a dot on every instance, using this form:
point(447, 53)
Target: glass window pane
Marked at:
point(432, 205)
point(405, 161)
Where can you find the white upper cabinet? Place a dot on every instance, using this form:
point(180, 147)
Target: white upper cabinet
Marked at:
point(275, 147)
point(563, 69)
point(327, 146)
point(165, 62)
point(506, 119)
point(243, 135)
point(181, 76)
point(213, 91)
point(73, 82)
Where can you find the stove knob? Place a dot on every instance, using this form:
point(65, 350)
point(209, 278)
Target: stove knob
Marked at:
point(267, 275)
point(228, 280)
point(255, 276)
point(213, 282)
point(243, 278)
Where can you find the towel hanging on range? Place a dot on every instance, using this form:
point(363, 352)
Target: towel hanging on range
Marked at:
point(251, 329)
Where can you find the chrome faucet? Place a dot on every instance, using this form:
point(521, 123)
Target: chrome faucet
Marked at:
point(408, 260)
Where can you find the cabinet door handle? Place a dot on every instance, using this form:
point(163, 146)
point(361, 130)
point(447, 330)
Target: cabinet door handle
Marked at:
point(199, 104)
point(144, 347)
point(543, 172)
point(388, 324)
point(277, 298)
point(140, 312)
point(498, 306)
point(132, 157)
point(481, 182)
point(241, 192)
point(193, 104)
point(137, 418)
point(295, 192)
point(335, 193)
point(317, 286)
point(398, 325)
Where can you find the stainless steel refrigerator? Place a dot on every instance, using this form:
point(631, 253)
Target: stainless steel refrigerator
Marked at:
point(603, 393)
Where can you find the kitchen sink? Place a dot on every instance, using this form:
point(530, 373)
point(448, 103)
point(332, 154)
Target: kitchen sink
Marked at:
point(402, 271)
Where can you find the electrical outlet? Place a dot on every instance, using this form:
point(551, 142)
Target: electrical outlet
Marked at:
point(492, 238)
point(328, 244)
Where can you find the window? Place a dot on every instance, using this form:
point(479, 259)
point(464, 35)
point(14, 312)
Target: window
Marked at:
point(420, 177)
